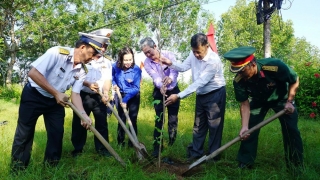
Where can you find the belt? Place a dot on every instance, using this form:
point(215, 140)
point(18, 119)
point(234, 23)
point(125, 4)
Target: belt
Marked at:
point(211, 92)
point(123, 94)
point(35, 90)
point(87, 93)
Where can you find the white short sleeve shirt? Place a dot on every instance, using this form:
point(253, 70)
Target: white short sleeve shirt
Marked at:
point(104, 66)
point(58, 69)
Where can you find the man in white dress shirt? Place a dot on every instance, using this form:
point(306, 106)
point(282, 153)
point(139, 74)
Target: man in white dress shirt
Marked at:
point(209, 85)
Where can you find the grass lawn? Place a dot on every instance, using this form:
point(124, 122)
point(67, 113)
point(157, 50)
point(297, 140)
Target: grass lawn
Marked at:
point(269, 163)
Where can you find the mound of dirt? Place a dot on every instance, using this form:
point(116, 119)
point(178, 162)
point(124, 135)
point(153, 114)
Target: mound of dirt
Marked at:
point(172, 166)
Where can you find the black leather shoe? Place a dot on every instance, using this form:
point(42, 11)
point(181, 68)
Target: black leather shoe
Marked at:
point(76, 153)
point(244, 166)
point(193, 159)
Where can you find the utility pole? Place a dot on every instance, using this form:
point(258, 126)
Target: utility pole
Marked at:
point(266, 32)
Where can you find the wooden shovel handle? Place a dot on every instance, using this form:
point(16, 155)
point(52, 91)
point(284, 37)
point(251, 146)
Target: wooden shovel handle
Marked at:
point(141, 150)
point(238, 138)
point(230, 143)
point(127, 116)
point(98, 135)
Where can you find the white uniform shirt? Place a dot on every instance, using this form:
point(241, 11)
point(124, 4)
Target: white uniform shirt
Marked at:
point(207, 74)
point(93, 75)
point(104, 66)
point(58, 69)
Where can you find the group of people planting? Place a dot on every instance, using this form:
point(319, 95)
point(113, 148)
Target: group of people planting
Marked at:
point(259, 85)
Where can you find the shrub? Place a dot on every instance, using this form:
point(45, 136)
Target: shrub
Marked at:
point(11, 93)
point(146, 90)
point(188, 103)
point(307, 97)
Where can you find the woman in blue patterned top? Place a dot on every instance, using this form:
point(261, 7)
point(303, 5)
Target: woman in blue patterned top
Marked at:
point(127, 76)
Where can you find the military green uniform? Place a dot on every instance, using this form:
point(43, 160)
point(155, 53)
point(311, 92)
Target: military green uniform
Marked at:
point(269, 89)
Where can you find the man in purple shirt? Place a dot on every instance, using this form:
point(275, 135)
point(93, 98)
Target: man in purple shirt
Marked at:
point(165, 83)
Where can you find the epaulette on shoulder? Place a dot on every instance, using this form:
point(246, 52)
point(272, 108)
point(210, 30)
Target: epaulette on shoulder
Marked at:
point(237, 78)
point(84, 68)
point(64, 51)
point(270, 68)
point(107, 57)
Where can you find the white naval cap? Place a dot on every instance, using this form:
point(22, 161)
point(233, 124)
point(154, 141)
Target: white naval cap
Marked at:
point(101, 36)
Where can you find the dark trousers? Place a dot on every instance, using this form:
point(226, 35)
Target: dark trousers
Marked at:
point(291, 135)
point(91, 103)
point(173, 110)
point(109, 111)
point(133, 109)
point(32, 105)
point(209, 115)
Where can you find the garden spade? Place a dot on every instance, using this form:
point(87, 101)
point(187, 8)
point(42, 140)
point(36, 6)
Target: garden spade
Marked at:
point(133, 132)
point(128, 118)
point(140, 150)
point(97, 134)
point(222, 148)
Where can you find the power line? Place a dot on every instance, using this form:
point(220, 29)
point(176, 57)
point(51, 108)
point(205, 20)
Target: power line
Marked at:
point(140, 14)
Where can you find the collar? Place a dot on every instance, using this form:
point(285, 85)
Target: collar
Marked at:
point(260, 73)
point(72, 55)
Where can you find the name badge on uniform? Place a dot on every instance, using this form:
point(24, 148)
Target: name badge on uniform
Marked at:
point(69, 58)
point(76, 77)
point(62, 70)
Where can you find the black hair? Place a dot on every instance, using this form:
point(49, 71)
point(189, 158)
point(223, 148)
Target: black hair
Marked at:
point(198, 40)
point(122, 52)
point(80, 43)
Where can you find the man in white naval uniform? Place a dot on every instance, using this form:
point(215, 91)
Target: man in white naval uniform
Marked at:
point(98, 79)
point(50, 76)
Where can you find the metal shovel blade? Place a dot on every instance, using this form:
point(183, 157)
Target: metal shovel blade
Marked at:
point(230, 143)
point(140, 150)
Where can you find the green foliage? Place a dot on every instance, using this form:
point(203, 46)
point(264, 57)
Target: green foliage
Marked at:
point(146, 90)
point(156, 102)
point(134, 20)
point(305, 60)
point(11, 93)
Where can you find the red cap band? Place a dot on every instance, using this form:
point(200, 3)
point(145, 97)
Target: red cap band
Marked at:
point(243, 62)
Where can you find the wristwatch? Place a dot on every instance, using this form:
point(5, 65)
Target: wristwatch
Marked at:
point(178, 96)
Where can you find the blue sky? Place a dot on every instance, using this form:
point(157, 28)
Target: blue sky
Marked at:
point(305, 16)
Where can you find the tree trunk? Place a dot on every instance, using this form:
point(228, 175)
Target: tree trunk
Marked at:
point(10, 68)
point(266, 32)
point(13, 48)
